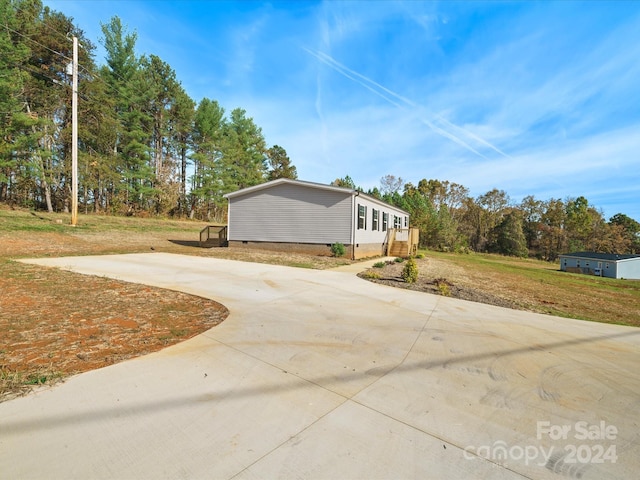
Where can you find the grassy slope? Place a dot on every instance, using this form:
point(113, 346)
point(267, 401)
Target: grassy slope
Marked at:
point(542, 287)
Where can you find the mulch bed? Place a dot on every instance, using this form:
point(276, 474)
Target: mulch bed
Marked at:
point(438, 279)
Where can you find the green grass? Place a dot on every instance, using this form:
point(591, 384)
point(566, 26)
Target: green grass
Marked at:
point(23, 220)
point(302, 265)
point(15, 383)
point(553, 291)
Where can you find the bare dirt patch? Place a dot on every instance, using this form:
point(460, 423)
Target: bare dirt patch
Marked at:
point(55, 323)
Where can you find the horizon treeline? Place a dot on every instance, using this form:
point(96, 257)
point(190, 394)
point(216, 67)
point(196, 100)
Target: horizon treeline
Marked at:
point(450, 219)
point(144, 146)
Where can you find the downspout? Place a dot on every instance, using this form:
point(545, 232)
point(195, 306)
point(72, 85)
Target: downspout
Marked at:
point(354, 226)
point(228, 218)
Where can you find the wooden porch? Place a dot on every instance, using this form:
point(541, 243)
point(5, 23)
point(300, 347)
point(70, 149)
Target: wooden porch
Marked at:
point(213, 236)
point(402, 242)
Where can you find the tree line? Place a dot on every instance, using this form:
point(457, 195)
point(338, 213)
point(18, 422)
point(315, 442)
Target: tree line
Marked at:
point(450, 219)
point(144, 146)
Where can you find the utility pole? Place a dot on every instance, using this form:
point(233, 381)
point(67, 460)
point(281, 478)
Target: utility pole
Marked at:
point(74, 137)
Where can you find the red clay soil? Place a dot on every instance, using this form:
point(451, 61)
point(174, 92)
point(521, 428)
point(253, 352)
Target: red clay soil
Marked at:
point(54, 324)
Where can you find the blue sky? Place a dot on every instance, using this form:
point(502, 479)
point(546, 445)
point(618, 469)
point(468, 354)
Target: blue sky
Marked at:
point(534, 98)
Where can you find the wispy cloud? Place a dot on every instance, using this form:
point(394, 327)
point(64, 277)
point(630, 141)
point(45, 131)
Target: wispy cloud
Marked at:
point(439, 125)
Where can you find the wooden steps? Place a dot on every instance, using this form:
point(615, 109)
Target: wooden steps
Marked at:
point(399, 249)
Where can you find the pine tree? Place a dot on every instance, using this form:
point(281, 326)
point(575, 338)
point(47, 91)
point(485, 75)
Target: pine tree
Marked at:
point(207, 188)
point(244, 148)
point(280, 164)
point(14, 55)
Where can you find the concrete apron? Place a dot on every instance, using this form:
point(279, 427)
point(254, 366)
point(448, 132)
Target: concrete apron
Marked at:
point(319, 374)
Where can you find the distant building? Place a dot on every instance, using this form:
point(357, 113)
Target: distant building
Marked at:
point(296, 216)
point(602, 264)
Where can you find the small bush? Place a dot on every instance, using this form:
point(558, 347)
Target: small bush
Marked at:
point(410, 271)
point(420, 255)
point(443, 287)
point(399, 260)
point(372, 275)
point(337, 249)
point(379, 264)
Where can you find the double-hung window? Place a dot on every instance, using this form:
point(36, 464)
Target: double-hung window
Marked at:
point(362, 217)
point(385, 221)
point(374, 219)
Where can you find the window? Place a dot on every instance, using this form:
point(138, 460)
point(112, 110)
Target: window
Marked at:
point(385, 221)
point(396, 221)
point(362, 217)
point(374, 219)
point(405, 222)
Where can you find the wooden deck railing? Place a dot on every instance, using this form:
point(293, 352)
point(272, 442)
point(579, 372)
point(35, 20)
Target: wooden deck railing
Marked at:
point(213, 236)
point(402, 242)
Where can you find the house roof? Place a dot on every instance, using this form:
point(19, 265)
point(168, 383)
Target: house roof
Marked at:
point(279, 181)
point(321, 186)
point(611, 257)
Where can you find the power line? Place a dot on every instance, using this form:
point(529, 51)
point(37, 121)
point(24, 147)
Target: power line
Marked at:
point(34, 71)
point(36, 42)
point(94, 74)
point(66, 37)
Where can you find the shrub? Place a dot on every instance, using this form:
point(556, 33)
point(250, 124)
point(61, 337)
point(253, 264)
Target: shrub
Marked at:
point(379, 264)
point(420, 255)
point(337, 249)
point(399, 260)
point(443, 287)
point(410, 271)
point(372, 275)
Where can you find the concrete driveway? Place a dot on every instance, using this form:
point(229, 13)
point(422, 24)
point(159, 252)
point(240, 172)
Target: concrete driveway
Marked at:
point(319, 374)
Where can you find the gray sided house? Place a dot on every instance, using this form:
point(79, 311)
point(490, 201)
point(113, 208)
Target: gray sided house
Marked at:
point(602, 264)
point(306, 217)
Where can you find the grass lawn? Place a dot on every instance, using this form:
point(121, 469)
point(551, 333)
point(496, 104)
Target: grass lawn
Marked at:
point(541, 286)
